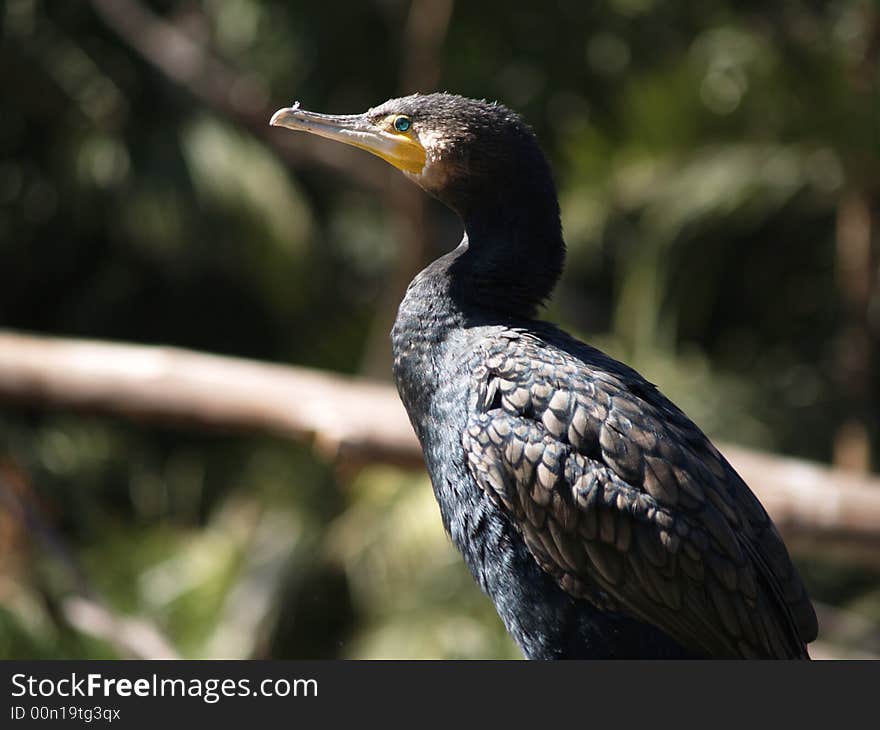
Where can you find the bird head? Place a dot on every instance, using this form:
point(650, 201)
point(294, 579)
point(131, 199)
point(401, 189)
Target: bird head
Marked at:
point(457, 149)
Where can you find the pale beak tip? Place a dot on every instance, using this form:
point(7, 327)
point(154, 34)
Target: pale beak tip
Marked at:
point(277, 117)
point(275, 121)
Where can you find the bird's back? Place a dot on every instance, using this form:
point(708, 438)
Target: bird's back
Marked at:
point(624, 501)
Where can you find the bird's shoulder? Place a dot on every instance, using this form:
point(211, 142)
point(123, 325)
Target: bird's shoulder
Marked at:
point(622, 498)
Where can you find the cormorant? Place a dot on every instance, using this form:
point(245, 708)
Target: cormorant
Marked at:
point(597, 517)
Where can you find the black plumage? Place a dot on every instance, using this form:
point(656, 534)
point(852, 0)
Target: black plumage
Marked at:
point(598, 518)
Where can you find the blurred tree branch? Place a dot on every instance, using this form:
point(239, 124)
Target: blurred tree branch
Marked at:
point(347, 417)
point(133, 638)
point(233, 94)
point(856, 256)
point(360, 422)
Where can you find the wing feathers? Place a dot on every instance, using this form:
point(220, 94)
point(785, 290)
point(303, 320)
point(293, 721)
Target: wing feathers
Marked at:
point(627, 504)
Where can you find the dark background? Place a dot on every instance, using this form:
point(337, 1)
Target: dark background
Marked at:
point(719, 178)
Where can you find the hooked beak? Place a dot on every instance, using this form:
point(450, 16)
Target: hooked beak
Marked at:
point(404, 151)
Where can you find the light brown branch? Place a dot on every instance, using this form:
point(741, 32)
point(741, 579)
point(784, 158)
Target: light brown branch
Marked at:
point(359, 422)
point(132, 637)
point(814, 505)
point(361, 419)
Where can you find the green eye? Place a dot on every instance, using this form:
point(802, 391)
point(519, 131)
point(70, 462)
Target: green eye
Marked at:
point(402, 124)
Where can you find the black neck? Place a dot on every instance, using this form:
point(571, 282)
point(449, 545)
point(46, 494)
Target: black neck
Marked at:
point(515, 250)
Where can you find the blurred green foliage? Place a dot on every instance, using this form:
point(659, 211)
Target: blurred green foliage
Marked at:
point(704, 154)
